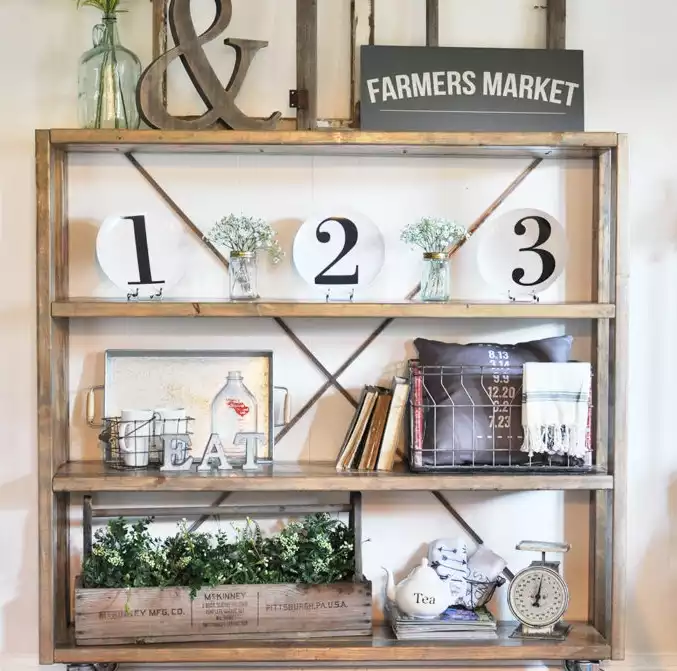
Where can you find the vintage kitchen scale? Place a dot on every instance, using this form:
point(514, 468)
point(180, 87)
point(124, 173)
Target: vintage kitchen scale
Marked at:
point(538, 596)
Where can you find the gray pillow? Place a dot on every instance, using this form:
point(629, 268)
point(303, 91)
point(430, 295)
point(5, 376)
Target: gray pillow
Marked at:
point(472, 401)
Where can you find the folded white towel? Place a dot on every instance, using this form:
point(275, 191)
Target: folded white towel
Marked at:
point(555, 401)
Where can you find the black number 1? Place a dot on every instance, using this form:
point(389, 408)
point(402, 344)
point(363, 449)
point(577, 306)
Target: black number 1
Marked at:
point(142, 256)
point(547, 259)
point(350, 240)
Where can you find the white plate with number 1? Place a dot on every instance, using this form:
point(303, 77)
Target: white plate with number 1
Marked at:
point(140, 252)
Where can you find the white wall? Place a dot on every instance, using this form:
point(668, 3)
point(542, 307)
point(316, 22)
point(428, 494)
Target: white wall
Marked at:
point(630, 52)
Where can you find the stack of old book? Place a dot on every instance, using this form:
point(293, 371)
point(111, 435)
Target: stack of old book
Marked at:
point(453, 624)
point(377, 429)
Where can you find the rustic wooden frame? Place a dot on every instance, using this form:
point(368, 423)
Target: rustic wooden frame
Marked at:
point(57, 478)
point(306, 53)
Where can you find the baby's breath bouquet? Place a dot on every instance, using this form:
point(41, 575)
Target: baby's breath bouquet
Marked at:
point(435, 236)
point(244, 237)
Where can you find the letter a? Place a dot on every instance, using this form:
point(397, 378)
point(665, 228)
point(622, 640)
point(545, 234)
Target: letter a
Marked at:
point(214, 454)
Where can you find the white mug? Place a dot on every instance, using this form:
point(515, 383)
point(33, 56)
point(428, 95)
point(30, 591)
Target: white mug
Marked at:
point(170, 421)
point(134, 434)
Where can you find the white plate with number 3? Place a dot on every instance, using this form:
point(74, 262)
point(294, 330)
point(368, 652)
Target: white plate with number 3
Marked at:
point(522, 252)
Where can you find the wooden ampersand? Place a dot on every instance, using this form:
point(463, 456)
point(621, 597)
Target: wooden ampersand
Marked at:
point(220, 102)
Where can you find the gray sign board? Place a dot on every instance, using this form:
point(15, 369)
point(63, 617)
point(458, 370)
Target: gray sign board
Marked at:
point(471, 89)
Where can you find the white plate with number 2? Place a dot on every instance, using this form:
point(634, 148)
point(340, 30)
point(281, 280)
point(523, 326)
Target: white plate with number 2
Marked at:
point(338, 249)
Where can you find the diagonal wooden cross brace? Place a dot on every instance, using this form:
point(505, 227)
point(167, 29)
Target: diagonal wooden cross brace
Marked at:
point(386, 322)
point(332, 379)
point(198, 233)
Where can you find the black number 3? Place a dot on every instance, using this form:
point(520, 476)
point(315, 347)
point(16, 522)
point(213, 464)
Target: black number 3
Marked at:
point(142, 256)
point(350, 240)
point(547, 259)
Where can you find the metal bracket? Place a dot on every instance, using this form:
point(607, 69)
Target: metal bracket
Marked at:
point(339, 298)
point(92, 667)
point(299, 99)
point(155, 294)
point(531, 297)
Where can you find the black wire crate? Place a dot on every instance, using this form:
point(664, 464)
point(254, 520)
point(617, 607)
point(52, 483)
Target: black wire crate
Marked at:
point(468, 418)
point(139, 444)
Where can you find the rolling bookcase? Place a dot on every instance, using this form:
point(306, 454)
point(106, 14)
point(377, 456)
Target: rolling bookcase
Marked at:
point(600, 638)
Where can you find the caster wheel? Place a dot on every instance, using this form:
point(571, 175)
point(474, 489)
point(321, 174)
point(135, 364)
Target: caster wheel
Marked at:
point(581, 665)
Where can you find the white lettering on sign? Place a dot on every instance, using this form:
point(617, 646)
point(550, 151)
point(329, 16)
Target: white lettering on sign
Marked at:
point(492, 84)
point(454, 83)
point(421, 85)
point(469, 87)
point(510, 85)
point(526, 87)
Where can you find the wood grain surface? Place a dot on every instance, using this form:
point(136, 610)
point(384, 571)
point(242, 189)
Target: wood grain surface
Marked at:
point(556, 24)
point(52, 392)
point(94, 476)
point(600, 518)
point(432, 23)
point(306, 63)
point(582, 643)
point(222, 613)
point(351, 142)
point(620, 381)
point(104, 307)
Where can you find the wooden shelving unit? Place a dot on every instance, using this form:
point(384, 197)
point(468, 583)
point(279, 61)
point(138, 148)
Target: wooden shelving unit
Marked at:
point(602, 637)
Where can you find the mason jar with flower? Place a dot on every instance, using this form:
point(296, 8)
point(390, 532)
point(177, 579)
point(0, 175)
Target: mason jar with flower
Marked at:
point(435, 236)
point(245, 237)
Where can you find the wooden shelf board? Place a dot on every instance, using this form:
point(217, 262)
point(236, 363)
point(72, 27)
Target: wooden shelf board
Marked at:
point(102, 307)
point(584, 642)
point(351, 142)
point(94, 476)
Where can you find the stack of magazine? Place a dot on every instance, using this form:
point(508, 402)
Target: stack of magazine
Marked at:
point(454, 624)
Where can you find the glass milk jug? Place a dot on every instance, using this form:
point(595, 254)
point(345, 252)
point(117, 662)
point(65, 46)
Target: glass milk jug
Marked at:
point(234, 410)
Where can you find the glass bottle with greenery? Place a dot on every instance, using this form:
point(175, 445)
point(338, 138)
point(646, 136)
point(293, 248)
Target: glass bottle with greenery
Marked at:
point(108, 74)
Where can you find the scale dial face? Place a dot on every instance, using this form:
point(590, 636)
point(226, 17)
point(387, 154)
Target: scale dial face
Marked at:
point(538, 596)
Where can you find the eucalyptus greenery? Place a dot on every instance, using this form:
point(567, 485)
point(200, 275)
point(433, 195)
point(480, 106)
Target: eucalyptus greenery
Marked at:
point(106, 6)
point(239, 233)
point(316, 550)
point(433, 234)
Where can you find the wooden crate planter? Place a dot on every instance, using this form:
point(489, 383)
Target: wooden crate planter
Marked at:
point(229, 612)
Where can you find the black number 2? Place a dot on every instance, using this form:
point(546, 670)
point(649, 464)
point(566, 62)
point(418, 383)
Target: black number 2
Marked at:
point(142, 256)
point(350, 240)
point(547, 259)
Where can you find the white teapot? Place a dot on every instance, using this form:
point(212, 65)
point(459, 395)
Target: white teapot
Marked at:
point(421, 593)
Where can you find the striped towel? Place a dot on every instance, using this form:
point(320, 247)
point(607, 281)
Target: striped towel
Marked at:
point(555, 400)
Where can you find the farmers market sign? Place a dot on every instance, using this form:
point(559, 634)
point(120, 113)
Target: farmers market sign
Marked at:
point(454, 89)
